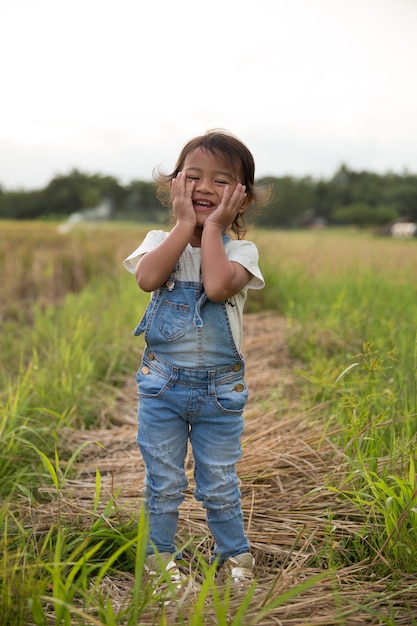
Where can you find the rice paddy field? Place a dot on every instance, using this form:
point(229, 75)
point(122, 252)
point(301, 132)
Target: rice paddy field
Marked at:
point(328, 474)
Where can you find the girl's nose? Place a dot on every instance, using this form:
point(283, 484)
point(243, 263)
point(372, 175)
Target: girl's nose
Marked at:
point(204, 185)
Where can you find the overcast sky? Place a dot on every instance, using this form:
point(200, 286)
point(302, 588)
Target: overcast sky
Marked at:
point(118, 86)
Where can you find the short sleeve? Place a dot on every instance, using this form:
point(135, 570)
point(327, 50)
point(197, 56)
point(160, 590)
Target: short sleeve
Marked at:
point(246, 253)
point(151, 241)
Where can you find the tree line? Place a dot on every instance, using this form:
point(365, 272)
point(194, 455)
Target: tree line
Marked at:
point(359, 198)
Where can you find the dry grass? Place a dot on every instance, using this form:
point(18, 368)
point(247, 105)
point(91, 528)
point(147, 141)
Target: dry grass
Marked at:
point(295, 523)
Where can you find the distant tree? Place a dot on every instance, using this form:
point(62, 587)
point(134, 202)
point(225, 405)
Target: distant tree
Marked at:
point(142, 204)
point(341, 186)
point(362, 214)
point(76, 191)
point(289, 200)
point(20, 205)
point(366, 187)
point(325, 198)
point(401, 193)
point(363, 198)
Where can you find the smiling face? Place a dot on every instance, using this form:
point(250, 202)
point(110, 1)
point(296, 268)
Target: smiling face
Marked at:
point(211, 176)
point(223, 154)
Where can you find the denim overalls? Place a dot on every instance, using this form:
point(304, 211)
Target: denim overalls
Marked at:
point(191, 386)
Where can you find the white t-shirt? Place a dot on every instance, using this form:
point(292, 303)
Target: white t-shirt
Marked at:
point(240, 251)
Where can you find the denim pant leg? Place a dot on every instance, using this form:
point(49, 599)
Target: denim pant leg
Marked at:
point(215, 438)
point(162, 439)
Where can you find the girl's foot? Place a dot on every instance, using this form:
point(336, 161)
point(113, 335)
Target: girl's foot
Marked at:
point(239, 570)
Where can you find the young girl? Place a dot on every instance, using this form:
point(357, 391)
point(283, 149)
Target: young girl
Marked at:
point(191, 380)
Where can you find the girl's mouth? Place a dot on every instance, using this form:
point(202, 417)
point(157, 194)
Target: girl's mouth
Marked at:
point(203, 205)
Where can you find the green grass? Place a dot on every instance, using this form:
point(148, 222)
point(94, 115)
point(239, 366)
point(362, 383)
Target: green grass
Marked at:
point(353, 335)
point(66, 320)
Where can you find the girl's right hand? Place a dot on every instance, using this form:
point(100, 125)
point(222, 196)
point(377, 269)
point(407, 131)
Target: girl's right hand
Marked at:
point(181, 195)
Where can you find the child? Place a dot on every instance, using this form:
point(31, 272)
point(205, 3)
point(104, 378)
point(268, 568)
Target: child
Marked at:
point(191, 380)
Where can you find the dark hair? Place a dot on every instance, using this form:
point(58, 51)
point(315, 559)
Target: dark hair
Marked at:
point(235, 155)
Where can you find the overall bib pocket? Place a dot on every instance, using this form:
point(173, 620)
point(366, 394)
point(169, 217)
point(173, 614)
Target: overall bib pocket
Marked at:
point(173, 319)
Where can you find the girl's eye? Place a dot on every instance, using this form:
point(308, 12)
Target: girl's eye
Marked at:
point(192, 177)
point(222, 182)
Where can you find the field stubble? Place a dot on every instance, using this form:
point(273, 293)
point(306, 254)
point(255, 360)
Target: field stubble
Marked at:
point(298, 527)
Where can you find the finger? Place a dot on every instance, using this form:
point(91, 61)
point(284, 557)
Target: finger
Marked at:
point(183, 185)
point(189, 185)
point(175, 185)
point(239, 192)
point(237, 199)
point(226, 195)
point(179, 181)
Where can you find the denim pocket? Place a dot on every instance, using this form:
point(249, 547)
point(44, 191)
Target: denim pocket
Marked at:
point(151, 383)
point(231, 396)
point(173, 319)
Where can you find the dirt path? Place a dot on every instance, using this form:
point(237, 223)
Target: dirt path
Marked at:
point(292, 518)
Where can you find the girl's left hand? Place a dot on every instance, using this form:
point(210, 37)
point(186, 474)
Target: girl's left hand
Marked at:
point(231, 205)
